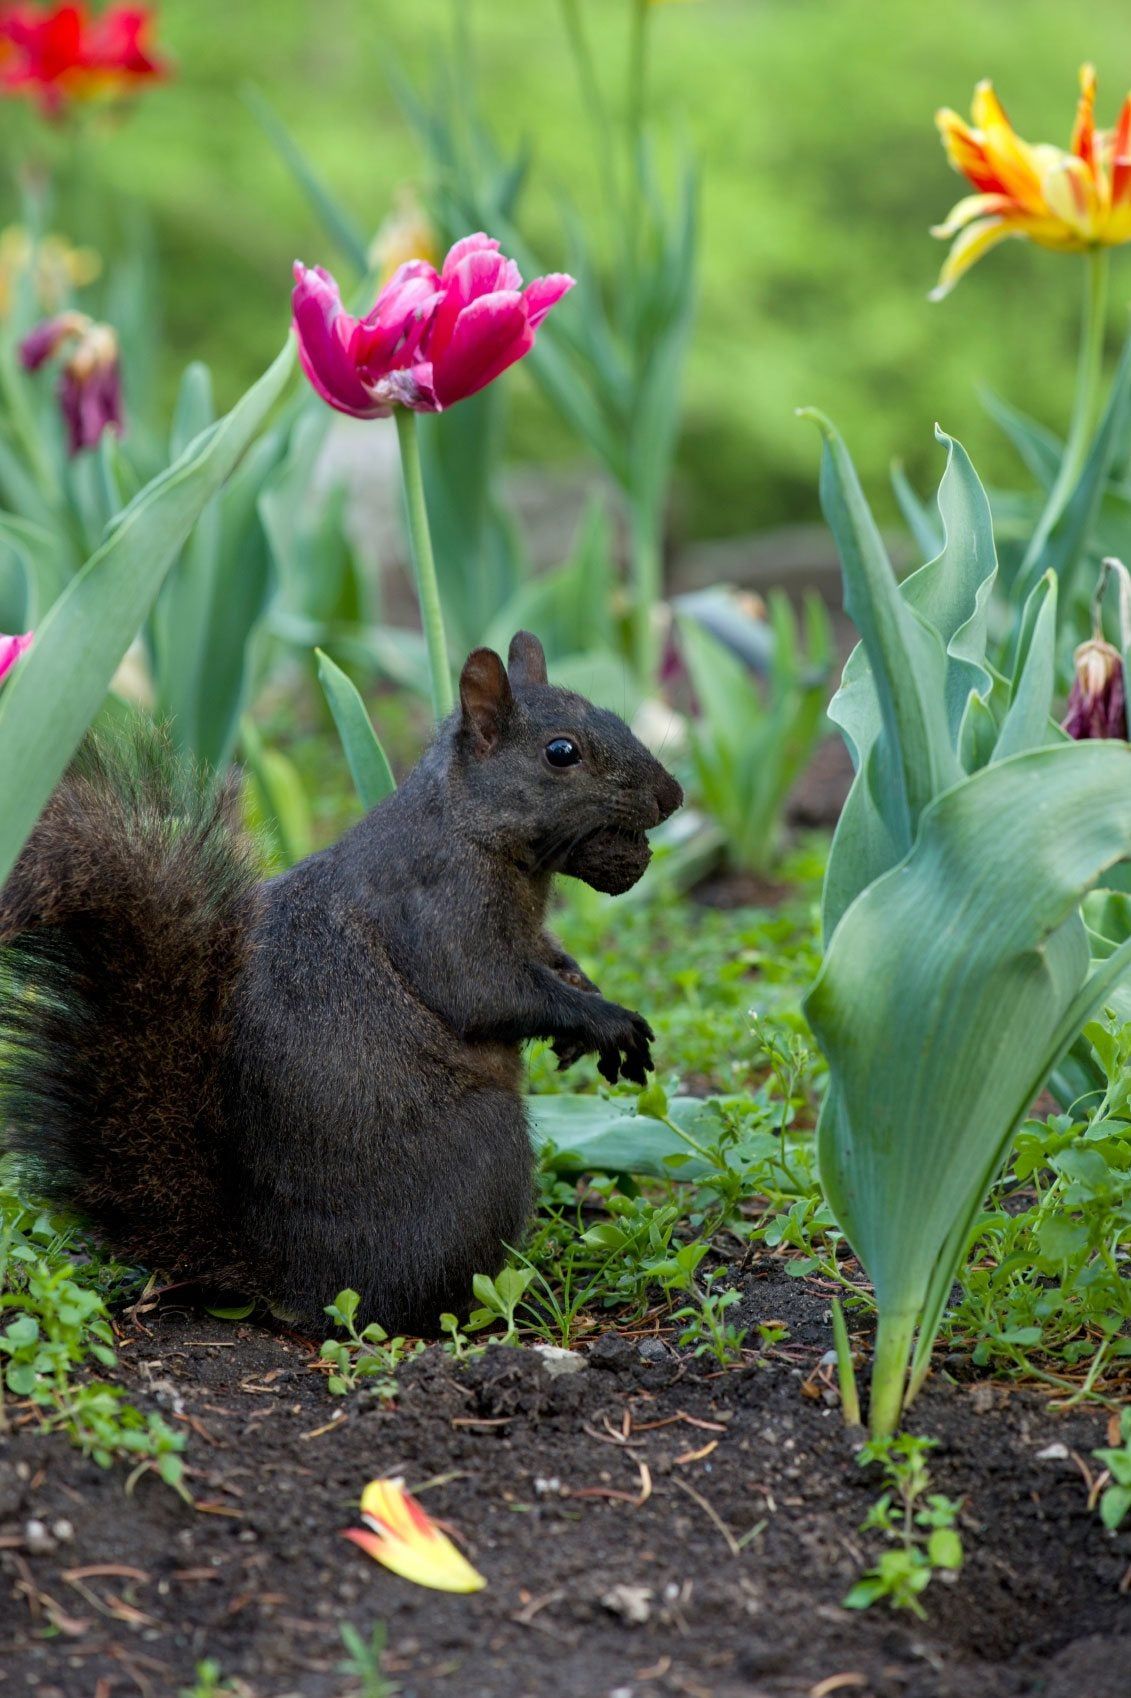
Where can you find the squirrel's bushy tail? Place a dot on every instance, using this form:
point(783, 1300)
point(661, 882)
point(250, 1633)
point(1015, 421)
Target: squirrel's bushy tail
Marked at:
point(123, 927)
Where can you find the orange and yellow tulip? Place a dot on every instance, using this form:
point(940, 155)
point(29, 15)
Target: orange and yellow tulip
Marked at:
point(405, 1539)
point(1069, 201)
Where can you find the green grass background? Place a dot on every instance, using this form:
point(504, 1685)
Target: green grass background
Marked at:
point(821, 171)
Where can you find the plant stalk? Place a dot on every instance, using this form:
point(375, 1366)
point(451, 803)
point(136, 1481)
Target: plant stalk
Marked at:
point(845, 1368)
point(894, 1333)
point(637, 112)
point(1089, 370)
point(424, 564)
point(598, 111)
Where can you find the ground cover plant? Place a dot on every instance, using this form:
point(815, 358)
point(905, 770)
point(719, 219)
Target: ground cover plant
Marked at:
point(810, 1371)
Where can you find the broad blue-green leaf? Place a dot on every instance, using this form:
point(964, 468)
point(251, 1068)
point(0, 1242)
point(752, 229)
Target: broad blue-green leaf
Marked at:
point(592, 1134)
point(949, 990)
point(45, 562)
point(368, 763)
point(906, 685)
point(56, 690)
point(1027, 724)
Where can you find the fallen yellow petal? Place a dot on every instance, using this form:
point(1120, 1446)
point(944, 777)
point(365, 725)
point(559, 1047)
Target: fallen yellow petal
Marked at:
point(404, 1538)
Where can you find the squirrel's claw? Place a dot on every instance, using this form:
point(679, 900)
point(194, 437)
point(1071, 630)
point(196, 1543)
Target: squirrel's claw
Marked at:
point(567, 1053)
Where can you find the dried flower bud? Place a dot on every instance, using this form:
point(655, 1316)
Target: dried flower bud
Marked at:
point(42, 343)
point(1097, 704)
point(90, 386)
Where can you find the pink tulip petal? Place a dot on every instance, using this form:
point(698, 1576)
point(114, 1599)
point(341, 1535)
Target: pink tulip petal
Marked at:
point(479, 243)
point(544, 293)
point(11, 648)
point(391, 333)
point(324, 332)
point(478, 274)
point(489, 335)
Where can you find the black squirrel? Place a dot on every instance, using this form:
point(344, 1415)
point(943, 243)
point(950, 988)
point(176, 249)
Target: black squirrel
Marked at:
point(293, 1086)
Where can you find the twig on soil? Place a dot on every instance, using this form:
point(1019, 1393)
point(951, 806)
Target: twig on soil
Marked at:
point(72, 1627)
point(611, 1436)
point(116, 1570)
point(734, 1546)
point(698, 1455)
point(611, 1491)
point(525, 1616)
point(837, 1683)
point(336, 1421)
point(116, 1608)
point(692, 1421)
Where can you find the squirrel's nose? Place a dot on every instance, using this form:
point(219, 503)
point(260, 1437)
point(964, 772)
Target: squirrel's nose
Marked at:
point(669, 796)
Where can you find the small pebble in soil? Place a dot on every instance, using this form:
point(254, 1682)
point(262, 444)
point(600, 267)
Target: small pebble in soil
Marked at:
point(557, 1361)
point(632, 1603)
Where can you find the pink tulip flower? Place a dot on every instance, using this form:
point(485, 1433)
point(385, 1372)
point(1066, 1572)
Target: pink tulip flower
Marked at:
point(11, 648)
point(431, 339)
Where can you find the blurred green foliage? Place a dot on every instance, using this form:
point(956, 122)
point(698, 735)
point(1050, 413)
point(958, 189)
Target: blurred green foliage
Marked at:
point(821, 171)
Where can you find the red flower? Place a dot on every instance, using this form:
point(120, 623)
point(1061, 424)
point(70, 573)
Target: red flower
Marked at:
point(64, 54)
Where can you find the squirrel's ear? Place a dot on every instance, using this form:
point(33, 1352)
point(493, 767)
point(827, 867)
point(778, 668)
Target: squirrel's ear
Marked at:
point(526, 660)
point(485, 698)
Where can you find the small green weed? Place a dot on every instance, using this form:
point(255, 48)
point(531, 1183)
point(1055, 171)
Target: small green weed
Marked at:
point(209, 1682)
point(1045, 1291)
point(1115, 1504)
point(708, 1332)
point(363, 1661)
point(59, 1326)
point(920, 1527)
point(369, 1357)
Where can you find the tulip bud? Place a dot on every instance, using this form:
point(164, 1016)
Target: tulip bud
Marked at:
point(1097, 704)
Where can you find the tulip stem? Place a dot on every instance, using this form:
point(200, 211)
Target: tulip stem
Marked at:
point(424, 563)
point(894, 1333)
point(1089, 370)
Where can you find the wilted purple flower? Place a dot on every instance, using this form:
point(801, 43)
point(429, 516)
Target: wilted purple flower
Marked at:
point(1097, 703)
point(42, 343)
point(90, 389)
point(90, 384)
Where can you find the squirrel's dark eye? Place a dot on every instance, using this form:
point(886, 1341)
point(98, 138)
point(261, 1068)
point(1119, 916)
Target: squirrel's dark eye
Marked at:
point(562, 751)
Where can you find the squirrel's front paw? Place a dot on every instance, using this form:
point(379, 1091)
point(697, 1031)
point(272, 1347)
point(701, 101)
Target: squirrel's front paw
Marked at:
point(626, 1049)
point(568, 1050)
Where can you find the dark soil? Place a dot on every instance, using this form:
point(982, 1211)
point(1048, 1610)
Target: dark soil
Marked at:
point(603, 1507)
